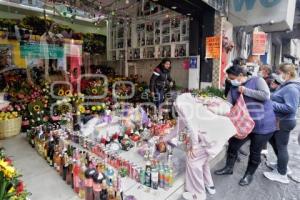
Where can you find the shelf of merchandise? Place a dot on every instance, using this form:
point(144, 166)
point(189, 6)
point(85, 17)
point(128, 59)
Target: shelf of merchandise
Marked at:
point(149, 39)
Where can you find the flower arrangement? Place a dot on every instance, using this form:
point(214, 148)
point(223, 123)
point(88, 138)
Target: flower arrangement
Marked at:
point(11, 187)
point(209, 91)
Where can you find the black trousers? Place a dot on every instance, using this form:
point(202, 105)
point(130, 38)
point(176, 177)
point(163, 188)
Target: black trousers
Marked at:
point(280, 141)
point(257, 141)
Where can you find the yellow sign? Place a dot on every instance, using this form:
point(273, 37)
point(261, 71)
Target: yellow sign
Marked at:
point(213, 47)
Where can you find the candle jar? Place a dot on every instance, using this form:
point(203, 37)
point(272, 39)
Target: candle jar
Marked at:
point(69, 178)
point(81, 182)
point(76, 180)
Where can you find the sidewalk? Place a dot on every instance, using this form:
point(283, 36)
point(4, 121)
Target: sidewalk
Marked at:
point(40, 179)
point(261, 188)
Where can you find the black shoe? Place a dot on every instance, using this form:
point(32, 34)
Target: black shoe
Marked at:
point(246, 180)
point(227, 170)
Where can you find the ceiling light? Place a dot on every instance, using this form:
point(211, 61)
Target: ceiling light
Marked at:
point(188, 14)
point(174, 7)
point(155, 0)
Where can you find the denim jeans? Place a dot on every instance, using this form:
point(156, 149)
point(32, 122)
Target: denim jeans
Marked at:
point(257, 141)
point(280, 141)
point(159, 97)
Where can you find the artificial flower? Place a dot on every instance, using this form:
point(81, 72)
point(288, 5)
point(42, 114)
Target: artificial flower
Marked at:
point(11, 190)
point(37, 108)
point(94, 91)
point(81, 109)
point(20, 187)
point(61, 92)
point(68, 93)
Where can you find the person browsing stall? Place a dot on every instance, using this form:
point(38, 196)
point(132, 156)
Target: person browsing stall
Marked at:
point(285, 101)
point(257, 98)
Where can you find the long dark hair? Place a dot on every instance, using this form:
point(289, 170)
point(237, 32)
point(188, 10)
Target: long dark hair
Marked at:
point(163, 62)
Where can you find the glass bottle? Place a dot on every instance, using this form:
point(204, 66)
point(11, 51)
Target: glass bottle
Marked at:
point(104, 192)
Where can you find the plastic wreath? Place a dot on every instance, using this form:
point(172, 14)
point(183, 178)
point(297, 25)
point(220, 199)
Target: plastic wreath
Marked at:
point(35, 107)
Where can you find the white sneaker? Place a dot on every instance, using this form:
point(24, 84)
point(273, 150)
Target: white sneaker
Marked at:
point(273, 166)
point(210, 190)
point(264, 152)
point(275, 176)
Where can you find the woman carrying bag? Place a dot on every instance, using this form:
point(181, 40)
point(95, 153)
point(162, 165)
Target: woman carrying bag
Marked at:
point(256, 95)
point(285, 102)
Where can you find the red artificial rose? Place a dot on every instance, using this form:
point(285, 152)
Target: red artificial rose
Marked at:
point(20, 187)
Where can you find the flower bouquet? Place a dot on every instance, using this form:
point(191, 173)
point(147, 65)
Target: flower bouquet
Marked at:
point(11, 187)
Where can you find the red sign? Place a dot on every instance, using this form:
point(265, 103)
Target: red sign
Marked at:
point(259, 43)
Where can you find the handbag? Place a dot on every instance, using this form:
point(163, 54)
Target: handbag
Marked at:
point(241, 119)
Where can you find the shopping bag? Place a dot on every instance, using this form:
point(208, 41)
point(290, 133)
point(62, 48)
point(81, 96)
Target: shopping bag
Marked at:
point(241, 119)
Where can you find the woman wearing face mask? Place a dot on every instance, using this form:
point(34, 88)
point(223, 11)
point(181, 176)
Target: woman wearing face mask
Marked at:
point(285, 104)
point(257, 97)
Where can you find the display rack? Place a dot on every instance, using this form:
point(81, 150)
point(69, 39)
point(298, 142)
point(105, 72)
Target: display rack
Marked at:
point(157, 36)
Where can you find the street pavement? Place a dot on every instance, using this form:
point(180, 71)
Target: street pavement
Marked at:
point(261, 188)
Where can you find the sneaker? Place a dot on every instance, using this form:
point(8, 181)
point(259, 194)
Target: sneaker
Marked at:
point(210, 190)
point(273, 166)
point(264, 152)
point(275, 176)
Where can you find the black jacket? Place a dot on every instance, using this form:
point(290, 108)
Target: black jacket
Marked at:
point(160, 79)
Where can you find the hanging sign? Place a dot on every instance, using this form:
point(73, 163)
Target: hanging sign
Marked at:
point(259, 43)
point(213, 47)
point(42, 51)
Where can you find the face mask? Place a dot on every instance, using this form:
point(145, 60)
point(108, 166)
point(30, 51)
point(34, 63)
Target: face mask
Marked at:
point(281, 78)
point(235, 83)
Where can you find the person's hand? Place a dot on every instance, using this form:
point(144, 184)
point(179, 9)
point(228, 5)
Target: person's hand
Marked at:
point(241, 89)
